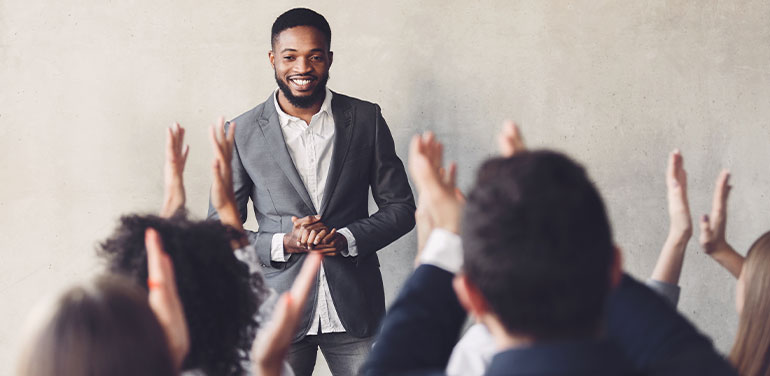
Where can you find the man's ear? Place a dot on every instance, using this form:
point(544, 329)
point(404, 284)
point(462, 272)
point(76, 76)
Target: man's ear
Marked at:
point(616, 270)
point(469, 295)
point(271, 56)
point(331, 58)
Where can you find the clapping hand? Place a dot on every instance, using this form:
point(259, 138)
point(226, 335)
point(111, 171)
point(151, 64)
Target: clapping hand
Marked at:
point(309, 234)
point(164, 299)
point(222, 193)
point(712, 228)
point(173, 171)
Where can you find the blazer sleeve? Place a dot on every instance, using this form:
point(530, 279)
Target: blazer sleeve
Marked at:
point(391, 192)
point(656, 338)
point(242, 185)
point(421, 327)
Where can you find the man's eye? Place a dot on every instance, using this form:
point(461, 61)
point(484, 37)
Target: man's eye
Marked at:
point(315, 58)
point(288, 57)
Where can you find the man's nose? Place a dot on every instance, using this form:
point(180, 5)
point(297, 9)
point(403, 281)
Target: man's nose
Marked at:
point(303, 66)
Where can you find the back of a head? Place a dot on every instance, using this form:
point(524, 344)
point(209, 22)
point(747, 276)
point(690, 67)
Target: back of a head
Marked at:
point(219, 295)
point(105, 328)
point(301, 17)
point(538, 245)
point(751, 351)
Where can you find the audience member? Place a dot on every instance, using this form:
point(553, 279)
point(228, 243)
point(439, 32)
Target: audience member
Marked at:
point(109, 327)
point(751, 349)
point(538, 266)
point(220, 294)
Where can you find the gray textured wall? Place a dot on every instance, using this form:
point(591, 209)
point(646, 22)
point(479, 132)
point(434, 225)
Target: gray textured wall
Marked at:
point(87, 87)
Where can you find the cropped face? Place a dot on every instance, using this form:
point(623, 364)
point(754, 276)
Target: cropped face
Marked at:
point(301, 60)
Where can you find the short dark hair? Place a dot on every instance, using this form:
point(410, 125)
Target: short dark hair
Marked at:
point(538, 245)
point(301, 17)
point(219, 295)
point(104, 327)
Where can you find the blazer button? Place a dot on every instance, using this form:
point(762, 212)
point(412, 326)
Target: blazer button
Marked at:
point(263, 265)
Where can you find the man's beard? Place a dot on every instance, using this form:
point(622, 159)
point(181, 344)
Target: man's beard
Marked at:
point(317, 96)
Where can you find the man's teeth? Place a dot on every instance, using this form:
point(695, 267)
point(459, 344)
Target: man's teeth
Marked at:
point(301, 82)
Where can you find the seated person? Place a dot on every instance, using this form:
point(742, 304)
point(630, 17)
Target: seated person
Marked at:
point(220, 294)
point(537, 269)
point(751, 351)
point(109, 327)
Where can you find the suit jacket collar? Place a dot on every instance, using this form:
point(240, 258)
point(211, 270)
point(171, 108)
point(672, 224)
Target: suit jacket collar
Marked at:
point(583, 357)
point(343, 113)
point(271, 129)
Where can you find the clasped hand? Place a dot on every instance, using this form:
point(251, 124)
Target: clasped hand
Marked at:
point(309, 234)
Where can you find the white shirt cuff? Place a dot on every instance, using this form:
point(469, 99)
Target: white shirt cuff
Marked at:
point(276, 249)
point(352, 250)
point(443, 249)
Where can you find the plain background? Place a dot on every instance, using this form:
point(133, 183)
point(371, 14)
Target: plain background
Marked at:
point(87, 89)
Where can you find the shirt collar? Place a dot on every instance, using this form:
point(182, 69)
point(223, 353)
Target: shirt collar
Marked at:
point(284, 118)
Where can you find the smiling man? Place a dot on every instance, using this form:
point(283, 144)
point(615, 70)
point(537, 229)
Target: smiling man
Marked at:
point(307, 158)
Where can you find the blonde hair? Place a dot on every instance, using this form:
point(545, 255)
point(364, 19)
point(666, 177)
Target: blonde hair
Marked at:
point(751, 351)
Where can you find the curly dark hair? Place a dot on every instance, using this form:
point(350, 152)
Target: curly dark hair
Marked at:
point(219, 295)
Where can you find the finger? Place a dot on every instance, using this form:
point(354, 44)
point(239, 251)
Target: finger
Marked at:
point(705, 229)
point(306, 277)
point(518, 138)
point(311, 237)
point(294, 219)
point(451, 178)
point(321, 234)
point(231, 133)
point(185, 153)
point(328, 238)
point(221, 130)
point(506, 139)
point(720, 195)
point(303, 237)
point(460, 196)
point(169, 142)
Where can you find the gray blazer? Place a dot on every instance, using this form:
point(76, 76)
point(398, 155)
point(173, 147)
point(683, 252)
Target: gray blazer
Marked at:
point(364, 156)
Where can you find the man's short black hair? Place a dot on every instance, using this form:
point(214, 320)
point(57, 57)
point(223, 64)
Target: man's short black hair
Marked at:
point(301, 17)
point(538, 245)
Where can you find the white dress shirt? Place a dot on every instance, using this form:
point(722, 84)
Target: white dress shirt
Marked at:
point(310, 147)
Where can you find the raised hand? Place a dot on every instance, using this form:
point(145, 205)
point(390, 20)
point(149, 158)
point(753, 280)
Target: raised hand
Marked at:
point(222, 193)
point(509, 140)
point(712, 234)
point(437, 188)
point(272, 345)
point(669, 265)
point(164, 299)
point(173, 171)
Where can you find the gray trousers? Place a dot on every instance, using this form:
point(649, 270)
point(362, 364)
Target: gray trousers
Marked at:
point(344, 353)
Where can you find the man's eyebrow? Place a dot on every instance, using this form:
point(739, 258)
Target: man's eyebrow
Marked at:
point(288, 50)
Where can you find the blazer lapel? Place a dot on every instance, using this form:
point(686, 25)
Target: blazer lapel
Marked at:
point(343, 130)
point(271, 129)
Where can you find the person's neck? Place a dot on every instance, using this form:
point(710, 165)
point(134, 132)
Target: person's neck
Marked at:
point(505, 340)
point(305, 113)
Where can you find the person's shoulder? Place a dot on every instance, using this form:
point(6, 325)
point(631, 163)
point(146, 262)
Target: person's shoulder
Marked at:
point(357, 103)
point(251, 116)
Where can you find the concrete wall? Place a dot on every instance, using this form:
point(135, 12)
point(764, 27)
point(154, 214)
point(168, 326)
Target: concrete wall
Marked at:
point(87, 87)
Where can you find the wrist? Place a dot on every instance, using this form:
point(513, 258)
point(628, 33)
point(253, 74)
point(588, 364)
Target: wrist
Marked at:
point(679, 237)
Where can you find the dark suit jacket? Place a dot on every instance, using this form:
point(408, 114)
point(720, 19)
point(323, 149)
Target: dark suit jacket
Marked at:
point(364, 156)
point(644, 333)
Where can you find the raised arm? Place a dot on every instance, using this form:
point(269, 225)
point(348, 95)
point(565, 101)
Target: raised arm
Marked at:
point(669, 265)
point(712, 234)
